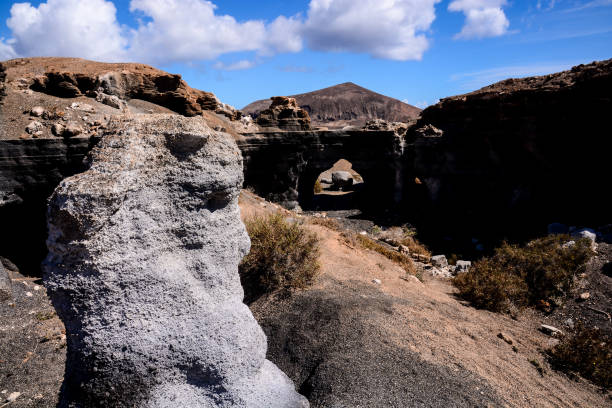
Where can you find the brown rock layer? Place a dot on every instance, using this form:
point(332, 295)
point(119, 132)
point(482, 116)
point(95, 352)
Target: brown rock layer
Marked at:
point(284, 113)
point(71, 77)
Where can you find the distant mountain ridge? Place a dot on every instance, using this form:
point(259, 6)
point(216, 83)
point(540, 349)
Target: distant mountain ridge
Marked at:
point(345, 104)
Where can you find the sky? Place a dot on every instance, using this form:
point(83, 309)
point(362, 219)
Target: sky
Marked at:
point(417, 51)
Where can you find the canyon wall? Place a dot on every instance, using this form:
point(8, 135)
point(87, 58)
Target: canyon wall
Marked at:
point(283, 166)
point(514, 156)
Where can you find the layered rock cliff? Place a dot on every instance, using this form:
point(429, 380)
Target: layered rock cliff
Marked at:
point(142, 268)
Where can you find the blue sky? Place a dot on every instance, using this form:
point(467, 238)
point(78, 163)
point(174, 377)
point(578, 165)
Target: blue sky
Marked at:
point(414, 50)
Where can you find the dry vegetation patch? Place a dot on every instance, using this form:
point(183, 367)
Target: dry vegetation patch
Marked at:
point(283, 256)
point(587, 352)
point(541, 272)
point(401, 259)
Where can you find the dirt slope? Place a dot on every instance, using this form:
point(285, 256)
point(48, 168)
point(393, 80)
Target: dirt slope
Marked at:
point(349, 342)
point(345, 104)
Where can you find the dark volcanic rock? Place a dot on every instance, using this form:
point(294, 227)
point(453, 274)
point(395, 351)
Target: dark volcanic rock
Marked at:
point(284, 114)
point(328, 344)
point(29, 172)
point(346, 105)
point(283, 166)
point(515, 156)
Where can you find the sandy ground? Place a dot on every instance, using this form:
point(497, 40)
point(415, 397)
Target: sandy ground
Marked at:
point(428, 319)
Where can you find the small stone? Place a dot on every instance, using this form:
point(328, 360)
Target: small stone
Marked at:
point(588, 234)
point(570, 323)
point(57, 129)
point(403, 249)
point(584, 296)
point(439, 260)
point(13, 396)
point(568, 244)
point(72, 129)
point(463, 266)
point(363, 233)
point(29, 294)
point(5, 284)
point(37, 111)
point(342, 179)
point(550, 330)
point(34, 127)
point(376, 281)
point(505, 338)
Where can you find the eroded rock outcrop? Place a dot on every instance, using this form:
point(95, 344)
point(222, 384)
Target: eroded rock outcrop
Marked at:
point(284, 113)
point(142, 268)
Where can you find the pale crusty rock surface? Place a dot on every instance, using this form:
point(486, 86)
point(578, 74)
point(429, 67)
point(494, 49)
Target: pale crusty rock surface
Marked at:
point(142, 269)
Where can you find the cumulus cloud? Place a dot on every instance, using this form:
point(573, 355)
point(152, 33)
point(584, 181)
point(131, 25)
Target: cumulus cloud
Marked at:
point(483, 18)
point(169, 31)
point(234, 66)
point(189, 29)
point(72, 28)
point(390, 29)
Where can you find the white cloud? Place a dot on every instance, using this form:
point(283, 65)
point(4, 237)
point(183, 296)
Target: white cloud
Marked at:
point(72, 28)
point(283, 35)
point(190, 30)
point(483, 18)
point(234, 66)
point(391, 29)
point(6, 50)
point(169, 31)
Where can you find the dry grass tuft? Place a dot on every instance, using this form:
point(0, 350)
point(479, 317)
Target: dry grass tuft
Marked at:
point(367, 243)
point(541, 271)
point(283, 256)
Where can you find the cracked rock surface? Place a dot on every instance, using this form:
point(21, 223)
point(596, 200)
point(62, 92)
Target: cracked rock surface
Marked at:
point(143, 270)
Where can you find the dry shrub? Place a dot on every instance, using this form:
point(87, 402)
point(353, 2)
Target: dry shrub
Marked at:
point(401, 259)
point(283, 256)
point(318, 188)
point(542, 270)
point(587, 352)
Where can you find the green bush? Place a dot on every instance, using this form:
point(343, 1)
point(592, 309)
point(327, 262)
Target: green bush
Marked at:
point(541, 271)
point(283, 256)
point(587, 352)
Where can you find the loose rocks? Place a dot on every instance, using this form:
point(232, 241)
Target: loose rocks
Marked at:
point(5, 284)
point(439, 260)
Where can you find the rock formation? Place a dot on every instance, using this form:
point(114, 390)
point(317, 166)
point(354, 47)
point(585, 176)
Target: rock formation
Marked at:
point(515, 156)
point(346, 104)
point(72, 77)
point(284, 113)
point(142, 269)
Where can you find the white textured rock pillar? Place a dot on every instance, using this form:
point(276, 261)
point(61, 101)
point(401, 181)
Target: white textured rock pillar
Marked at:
point(143, 270)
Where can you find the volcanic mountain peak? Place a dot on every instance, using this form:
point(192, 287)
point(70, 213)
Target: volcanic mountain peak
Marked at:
point(346, 104)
